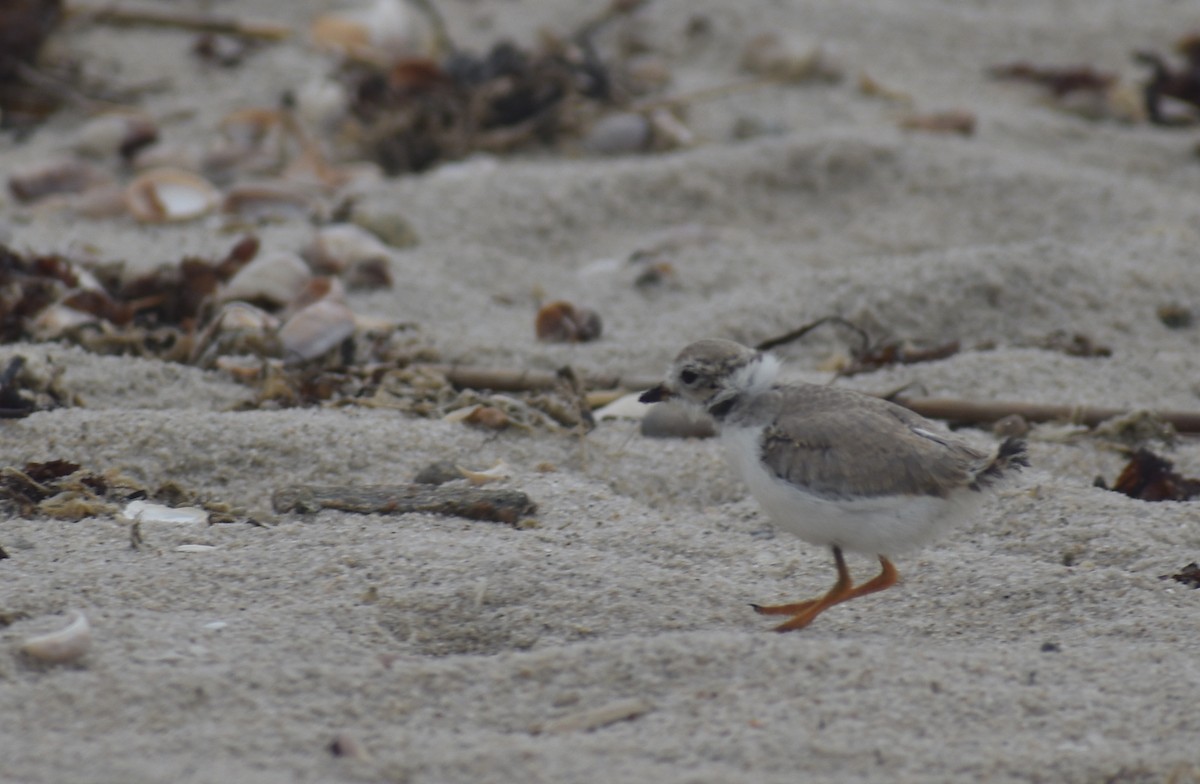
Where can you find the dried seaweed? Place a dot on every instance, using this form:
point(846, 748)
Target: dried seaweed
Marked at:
point(24, 27)
point(64, 490)
point(1059, 80)
point(417, 112)
point(23, 392)
point(1182, 83)
point(1188, 575)
point(1149, 477)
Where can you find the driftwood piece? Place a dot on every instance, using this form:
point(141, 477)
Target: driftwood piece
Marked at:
point(501, 506)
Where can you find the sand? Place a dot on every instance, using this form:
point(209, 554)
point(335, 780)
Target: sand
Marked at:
point(1036, 643)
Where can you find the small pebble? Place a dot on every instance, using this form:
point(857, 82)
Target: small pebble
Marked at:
point(1174, 315)
point(1011, 425)
point(438, 473)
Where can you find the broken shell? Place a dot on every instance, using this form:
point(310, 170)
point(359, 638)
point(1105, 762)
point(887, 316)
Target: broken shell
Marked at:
point(317, 289)
point(273, 280)
point(57, 320)
point(115, 133)
point(385, 223)
point(63, 175)
point(562, 322)
point(485, 416)
point(65, 645)
point(148, 512)
point(321, 103)
point(336, 247)
point(496, 473)
point(316, 329)
point(386, 30)
point(195, 548)
point(669, 132)
point(272, 199)
point(166, 195)
point(169, 155)
point(791, 59)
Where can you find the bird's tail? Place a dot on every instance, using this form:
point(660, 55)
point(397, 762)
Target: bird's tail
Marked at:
point(1011, 456)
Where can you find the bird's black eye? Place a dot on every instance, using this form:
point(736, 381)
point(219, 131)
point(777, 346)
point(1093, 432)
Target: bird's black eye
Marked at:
point(688, 377)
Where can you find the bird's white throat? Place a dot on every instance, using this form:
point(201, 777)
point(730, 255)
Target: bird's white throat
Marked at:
point(756, 376)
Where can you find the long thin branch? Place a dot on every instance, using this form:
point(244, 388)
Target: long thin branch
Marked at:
point(952, 409)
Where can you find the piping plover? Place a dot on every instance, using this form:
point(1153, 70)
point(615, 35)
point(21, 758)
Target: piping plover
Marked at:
point(833, 466)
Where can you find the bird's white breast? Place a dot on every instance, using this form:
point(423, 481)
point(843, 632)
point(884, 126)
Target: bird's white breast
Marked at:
point(879, 525)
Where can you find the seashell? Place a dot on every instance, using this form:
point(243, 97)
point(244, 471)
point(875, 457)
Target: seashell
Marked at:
point(338, 246)
point(115, 133)
point(485, 416)
point(58, 320)
point(148, 512)
point(169, 155)
point(168, 195)
point(562, 322)
point(195, 548)
point(496, 473)
point(385, 223)
point(669, 132)
point(620, 133)
point(240, 316)
point(273, 279)
point(316, 329)
point(317, 289)
point(275, 199)
point(791, 59)
point(65, 645)
point(61, 175)
point(238, 327)
point(384, 31)
point(321, 103)
point(103, 201)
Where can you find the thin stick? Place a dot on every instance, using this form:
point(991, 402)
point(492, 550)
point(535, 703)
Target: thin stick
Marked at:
point(953, 409)
point(116, 14)
point(976, 412)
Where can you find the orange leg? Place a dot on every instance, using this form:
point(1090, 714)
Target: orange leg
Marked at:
point(843, 590)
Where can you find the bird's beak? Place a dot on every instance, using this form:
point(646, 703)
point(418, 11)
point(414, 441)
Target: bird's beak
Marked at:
point(656, 395)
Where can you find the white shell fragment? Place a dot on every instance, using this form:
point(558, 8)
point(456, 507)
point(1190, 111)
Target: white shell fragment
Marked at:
point(168, 195)
point(315, 329)
point(147, 512)
point(113, 133)
point(341, 245)
point(276, 278)
point(195, 548)
point(65, 645)
point(791, 59)
point(496, 473)
point(384, 30)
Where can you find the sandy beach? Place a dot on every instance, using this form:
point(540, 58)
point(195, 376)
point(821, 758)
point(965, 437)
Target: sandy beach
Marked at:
point(609, 638)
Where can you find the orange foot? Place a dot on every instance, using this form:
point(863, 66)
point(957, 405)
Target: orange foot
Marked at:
point(843, 590)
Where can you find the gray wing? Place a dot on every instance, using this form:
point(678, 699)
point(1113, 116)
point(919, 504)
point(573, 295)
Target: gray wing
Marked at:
point(869, 448)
